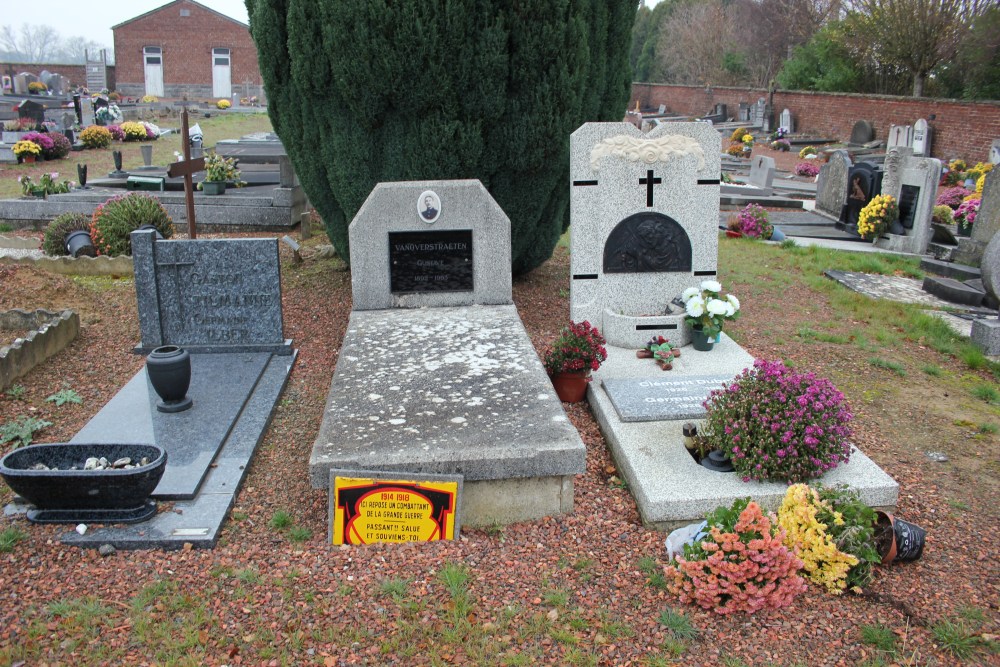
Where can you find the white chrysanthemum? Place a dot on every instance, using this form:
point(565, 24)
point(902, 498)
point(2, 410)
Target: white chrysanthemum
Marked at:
point(695, 306)
point(730, 311)
point(712, 286)
point(689, 292)
point(716, 307)
point(734, 301)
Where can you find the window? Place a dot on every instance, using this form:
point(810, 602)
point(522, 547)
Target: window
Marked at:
point(220, 56)
point(185, 12)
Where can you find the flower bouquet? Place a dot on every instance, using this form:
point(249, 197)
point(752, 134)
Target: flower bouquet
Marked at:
point(834, 534)
point(966, 214)
point(27, 150)
point(753, 222)
point(578, 349)
point(779, 425)
point(807, 169)
point(221, 169)
point(739, 564)
point(707, 309)
point(876, 217)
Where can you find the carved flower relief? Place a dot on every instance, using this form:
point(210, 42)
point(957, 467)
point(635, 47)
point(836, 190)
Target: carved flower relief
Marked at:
point(648, 151)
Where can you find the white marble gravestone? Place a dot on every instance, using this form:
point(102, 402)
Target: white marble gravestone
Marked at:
point(644, 213)
point(786, 121)
point(913, 181)
point(995, 152)
point(921, 138)
point(900, 136)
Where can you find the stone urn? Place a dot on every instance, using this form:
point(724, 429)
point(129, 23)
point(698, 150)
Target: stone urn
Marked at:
point(169, 371)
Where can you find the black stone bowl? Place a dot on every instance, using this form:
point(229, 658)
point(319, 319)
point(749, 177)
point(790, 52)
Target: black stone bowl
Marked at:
point(82, 489)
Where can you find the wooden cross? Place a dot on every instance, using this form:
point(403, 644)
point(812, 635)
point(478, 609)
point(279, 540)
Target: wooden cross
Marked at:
point(649, 182)
point(186, 167)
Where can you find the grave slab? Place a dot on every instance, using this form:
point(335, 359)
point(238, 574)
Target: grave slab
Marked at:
point(463, 392)
point(220, 386)
point(670, 488)
point(953, 291)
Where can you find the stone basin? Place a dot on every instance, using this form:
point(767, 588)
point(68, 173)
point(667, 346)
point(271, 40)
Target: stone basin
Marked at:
point(74, 496)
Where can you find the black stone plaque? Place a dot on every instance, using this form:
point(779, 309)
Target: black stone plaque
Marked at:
point(863, 182)
point(647, 243)
point(908, 197)
point(439, 261)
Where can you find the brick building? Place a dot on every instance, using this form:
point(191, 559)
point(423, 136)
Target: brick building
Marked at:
point(185, 49)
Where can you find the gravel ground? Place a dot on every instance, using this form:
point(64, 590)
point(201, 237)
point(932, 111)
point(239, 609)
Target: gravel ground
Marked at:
point(563, 590)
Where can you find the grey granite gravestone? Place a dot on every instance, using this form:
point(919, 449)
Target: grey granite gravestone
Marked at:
point(400, 259)
point(987, 225)
point(922, 136)
point(219, 295)
point(831, 188)
point(645, 212)
point(651, 399)
point(761, 176)
point(862, 132)
point(913, 181)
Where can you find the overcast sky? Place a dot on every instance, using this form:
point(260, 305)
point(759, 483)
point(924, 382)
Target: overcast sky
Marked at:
point(94, 20)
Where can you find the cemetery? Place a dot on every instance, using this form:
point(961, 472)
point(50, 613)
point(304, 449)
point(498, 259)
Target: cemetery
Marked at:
point(746, 413)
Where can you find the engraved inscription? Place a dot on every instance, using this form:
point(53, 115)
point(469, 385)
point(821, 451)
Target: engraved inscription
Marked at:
point(438, 261)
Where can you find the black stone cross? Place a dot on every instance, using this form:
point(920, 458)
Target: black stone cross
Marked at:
point(649, 182)
point(185, 168)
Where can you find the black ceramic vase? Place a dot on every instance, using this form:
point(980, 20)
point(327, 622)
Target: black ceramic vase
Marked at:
point(81, 174)
point(79, 244)
point(169, 371)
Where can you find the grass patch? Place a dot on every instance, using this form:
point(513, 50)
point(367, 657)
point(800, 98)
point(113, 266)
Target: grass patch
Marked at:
point(932, 370)
point(395, 588)
point(678, 624)
point(955, 638)
point(9, 539)
point(557, 597)
point(989, 428)
point(887, 365)
point(808, 334)
point(281, 520)
point(880, 637)
point(299, 534)
point(985, 392)
point(455, 577)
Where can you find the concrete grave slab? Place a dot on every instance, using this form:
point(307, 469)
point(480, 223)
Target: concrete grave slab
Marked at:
point(462, 392)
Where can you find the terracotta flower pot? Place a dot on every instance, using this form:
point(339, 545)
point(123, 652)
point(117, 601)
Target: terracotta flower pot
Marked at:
point(733, 234)
point(896, 539)
point(571, 387)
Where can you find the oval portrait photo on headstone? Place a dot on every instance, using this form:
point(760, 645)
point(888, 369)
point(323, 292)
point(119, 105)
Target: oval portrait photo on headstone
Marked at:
point(429, 206)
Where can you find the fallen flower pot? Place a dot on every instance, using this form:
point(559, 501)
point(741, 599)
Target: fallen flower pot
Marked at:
point(53, 479)
point(896, 539)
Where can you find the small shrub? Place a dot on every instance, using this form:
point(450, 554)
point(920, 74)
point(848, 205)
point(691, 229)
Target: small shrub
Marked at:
point(96, 136)
point(64, 396)
point(114, 96)
point(36, 87)
point(134, 131)
point(43, 139)
point(740, 566)
point(951, 197)
point(776, 424)
point(737, 135)
point(965, 214)
point(223, 104)
point(735, 149)
point(808, 150)
point(60, 147)
point(782, 145)
point(53, 242)
point(116, 132)
point(753, 222)
point(807, 169)
point(149, 99)
point(579, 347)
point(944, 215)
point(118, 217)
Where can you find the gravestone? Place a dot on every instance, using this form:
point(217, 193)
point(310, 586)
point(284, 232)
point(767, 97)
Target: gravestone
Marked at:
point(431, 261)
point(436, 374)
point(995, 152)
point(645, 212)
point(922, 136)
point(662, 110)
point(831, 188)
point(864, 181)
point(758, 111)
point(862, 133)
point(32, 110)
point(913, 181)
point(786, 121)
point(744, 112)
point(900, 136)
point(762, 169)
point(987, 226)
point(209, 295)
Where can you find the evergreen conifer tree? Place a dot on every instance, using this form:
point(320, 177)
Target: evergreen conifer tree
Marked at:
point(364, 91)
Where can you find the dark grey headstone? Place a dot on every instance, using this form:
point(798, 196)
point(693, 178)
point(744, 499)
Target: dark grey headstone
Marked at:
point(221, 295)
point(862, 133)
point(990, 266)
point(652, 399)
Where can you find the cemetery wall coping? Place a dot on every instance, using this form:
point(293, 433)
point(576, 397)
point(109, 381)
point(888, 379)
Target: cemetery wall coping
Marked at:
point(50, 333)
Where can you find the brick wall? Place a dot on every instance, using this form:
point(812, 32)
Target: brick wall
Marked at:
point(77, 74)
point(187, 43)
point(961, 129)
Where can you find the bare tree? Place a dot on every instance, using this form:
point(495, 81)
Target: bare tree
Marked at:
point(916, 35)
point(32, 43)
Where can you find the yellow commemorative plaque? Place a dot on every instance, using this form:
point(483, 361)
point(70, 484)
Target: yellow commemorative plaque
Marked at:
point(374, 509)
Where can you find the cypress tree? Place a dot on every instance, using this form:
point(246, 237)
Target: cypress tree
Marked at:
point(364, 91)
